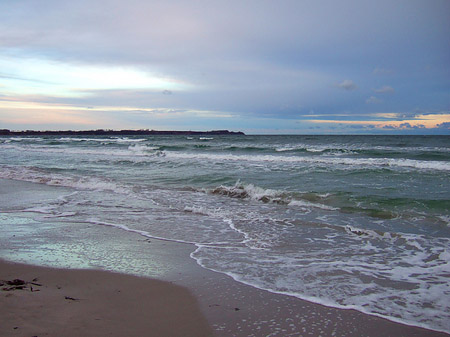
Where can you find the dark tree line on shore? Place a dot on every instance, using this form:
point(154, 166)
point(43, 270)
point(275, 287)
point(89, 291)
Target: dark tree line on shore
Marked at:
point(102, 132)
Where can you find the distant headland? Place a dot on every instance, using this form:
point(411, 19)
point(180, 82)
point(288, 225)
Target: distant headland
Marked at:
point(102, 132)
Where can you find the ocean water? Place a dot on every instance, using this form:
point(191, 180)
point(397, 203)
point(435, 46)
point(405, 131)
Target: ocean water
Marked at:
point(358, 222)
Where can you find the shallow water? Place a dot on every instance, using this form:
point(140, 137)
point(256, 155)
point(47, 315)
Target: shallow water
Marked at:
point(348, 221)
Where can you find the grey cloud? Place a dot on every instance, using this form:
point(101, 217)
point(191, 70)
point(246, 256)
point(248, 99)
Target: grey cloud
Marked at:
point(373, 100)
point(445, 126)
point(409, 126)
point(385, 89)
point(419, 112)
point(347, 85)
point(247, 56)
point(165, 31)
point(389, 127)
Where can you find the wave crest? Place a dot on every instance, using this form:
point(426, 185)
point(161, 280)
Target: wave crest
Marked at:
point(39, 176)
point(256, 193)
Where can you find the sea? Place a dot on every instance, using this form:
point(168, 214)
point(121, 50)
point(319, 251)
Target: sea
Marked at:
point(360, 222)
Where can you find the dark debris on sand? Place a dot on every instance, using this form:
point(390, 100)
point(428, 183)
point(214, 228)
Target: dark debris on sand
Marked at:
point(18, 284)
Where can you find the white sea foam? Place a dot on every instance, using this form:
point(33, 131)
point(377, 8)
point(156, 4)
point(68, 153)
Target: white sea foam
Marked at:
point(102, 140)
point(55, 179)
point(144, 150)
point(305, 203)
point(202, 210)
point(351, 163)
point(445, 255)
point(137, 231)
point(131, 140)
point(196, 210)
point(445, 218)
point(303, 147)
point(363, 232)
point(99, 140)
point(312, 149)
point(141, 150)
point(19, 139)
point(136, 152)
point(256, 193)
point(289, 148)
point(302, 278)
point(250, 191)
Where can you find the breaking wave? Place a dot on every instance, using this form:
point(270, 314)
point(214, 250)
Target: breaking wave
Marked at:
point(36, 175)
point(351, 163)
point(256, 193)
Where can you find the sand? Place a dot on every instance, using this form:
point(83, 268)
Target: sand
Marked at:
point(63, 302)
point(94, 303)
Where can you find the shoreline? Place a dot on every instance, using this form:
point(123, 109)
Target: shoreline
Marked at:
point(90, 302)
point(333, 306)
point(230, 308)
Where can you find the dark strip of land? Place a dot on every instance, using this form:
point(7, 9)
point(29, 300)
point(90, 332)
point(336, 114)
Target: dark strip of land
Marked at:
point(102, 132)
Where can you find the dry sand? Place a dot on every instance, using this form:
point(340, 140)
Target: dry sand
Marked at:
point(78, 303)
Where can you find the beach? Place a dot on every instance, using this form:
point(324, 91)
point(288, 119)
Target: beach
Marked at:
point(74, 303)
point(224, 169)
point(257, 236)
point(176, 298)
point(63, 302)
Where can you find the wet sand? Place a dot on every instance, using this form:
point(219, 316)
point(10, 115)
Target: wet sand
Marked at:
point(63, 302)
point(58, 302)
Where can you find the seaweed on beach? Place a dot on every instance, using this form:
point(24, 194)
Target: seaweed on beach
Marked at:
point(18, 284)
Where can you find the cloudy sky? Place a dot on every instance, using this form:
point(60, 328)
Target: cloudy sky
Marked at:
point(257, 66)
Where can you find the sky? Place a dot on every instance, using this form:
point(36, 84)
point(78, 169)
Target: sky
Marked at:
point(262, 67)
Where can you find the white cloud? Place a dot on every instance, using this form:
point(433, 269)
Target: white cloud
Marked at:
point(347, 85)
point(42, 76)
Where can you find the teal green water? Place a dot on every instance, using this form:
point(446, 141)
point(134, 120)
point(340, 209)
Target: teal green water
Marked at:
point(348, 221)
